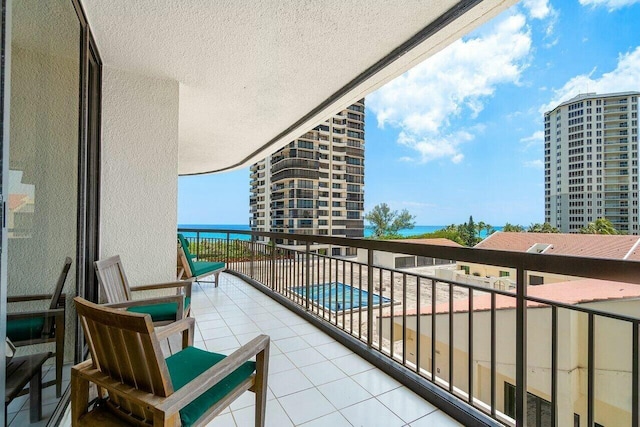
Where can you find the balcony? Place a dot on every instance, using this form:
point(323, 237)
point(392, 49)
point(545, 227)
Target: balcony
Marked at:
point(491, 343)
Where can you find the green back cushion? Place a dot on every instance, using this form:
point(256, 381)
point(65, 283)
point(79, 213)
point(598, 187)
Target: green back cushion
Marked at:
point(185, 248)
point(161, 312)
point(191, 362)
point(25, 329)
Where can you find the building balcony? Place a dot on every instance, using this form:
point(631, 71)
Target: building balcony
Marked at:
point(609, 164)
point(325, 345)
point(619, 149)
point(616, 204)
point(620, 157)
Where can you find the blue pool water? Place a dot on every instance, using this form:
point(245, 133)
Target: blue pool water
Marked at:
point(337, 296)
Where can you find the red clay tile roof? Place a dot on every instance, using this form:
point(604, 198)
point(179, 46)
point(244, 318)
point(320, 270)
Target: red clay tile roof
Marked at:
point(571, 292)
point(586, 245)
point(440, 241)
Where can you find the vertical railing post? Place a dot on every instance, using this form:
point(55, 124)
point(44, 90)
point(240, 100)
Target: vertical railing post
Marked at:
point(591, 370)
point(369, 297)
point(273, 263)
point(521, 348)
point(251, 254)
point(198, 245)
point(635, 380)
point(554, 366)
point(307, 274)
point(470, 345)
point(227, 250)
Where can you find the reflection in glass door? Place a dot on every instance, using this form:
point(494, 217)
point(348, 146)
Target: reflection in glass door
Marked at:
point(46, 189)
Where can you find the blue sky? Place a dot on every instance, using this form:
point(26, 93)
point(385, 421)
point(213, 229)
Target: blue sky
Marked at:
point(461, 133)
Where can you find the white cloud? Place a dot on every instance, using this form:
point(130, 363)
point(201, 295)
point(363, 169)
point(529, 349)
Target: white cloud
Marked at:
point(542, 10)
point(536, 164)
point(455, 82)
point(611, 5)
point(538, 9)
point(535, 139)
point(625, 77)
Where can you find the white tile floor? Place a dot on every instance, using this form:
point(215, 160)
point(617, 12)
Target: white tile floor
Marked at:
point(313, 380)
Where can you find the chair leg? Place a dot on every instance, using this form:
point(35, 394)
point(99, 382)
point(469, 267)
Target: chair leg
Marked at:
point(217, 275)
point(35, 396)
point(59, 353)
point(260, 387)
point(79, 397)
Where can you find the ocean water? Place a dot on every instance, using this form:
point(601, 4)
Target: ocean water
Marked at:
point(368, 231)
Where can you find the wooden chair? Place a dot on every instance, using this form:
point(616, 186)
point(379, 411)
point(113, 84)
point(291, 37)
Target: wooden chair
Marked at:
point(42, 326)
point(163, 310)
point(197, 269)
point(136, 384)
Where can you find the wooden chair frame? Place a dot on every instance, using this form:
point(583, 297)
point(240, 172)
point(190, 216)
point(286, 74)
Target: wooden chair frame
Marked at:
point(118, 293)
point(53, 329)
point(184, 267)
point(145, 396)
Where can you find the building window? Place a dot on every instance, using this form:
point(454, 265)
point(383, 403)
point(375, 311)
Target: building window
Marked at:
point(465, 268)
point(536, 280)
point(504, 274)
point(538, 409)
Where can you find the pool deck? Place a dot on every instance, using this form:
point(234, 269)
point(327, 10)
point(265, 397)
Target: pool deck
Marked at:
point(313, 380)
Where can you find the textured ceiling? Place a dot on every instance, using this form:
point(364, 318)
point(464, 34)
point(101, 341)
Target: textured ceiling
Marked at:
point(256, 74)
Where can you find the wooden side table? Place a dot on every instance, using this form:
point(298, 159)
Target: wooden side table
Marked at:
point(20, 371)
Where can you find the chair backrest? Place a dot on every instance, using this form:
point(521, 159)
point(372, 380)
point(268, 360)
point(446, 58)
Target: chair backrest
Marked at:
point(55, 300)
point(185, 248)
point(124, 346)
point(112, 279)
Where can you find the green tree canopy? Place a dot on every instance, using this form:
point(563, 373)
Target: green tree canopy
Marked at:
point(513, 228)
point(542, 228)
point(387, 223)
point(600, 226)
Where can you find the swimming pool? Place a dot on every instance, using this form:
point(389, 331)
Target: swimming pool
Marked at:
point(337, 296)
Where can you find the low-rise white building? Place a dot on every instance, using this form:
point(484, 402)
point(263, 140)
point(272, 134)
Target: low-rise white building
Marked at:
point(612, 347)
point(396, 260)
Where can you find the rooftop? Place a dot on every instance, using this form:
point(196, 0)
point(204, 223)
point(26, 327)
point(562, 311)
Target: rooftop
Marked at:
point(571, 292)
point(440, 241)
point(620, 247)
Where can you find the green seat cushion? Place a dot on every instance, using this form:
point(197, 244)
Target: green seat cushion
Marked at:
point(25, 329)
point(160, 312)
point(191, 362)
point(204, 267)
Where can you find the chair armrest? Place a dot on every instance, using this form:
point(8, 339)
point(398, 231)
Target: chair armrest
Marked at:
point(23, 298)
point(166, 285)
point(148, 301)
point(187, 324)
point(36, 313)
point(186, 284)
point(215, 374)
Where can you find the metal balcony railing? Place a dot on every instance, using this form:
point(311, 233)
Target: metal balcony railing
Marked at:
point(386, 316)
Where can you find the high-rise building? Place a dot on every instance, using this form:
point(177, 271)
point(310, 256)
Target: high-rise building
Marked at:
point(591, 162)
point(314, 185)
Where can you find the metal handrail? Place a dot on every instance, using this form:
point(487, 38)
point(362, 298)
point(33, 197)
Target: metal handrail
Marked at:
point(279, 270)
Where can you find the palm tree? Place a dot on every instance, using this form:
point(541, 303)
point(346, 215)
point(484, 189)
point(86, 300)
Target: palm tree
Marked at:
point(542, 228)
point(513, 228)
point(600, 226)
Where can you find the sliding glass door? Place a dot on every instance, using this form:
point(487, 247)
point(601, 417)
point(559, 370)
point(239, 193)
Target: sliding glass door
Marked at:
point(50, 194)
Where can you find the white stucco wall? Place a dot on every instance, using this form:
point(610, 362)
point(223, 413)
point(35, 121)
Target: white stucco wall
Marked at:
point(139, 187)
